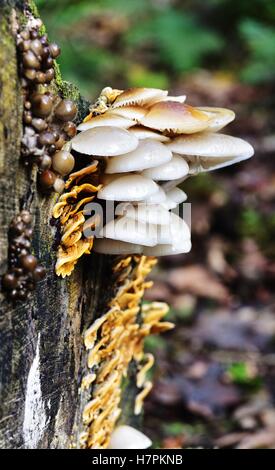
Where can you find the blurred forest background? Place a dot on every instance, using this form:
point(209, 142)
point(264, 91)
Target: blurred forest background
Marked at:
point(215, 373)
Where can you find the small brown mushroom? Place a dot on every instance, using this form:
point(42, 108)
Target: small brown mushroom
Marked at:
point(42, 104)
point(63, 162)
point(47, 179)
point(54, 50)
point(30, 60)
point(66, 110)
point(28, 262)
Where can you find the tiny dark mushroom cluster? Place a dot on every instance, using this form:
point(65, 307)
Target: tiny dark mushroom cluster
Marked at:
point(48, 119)
point(24, 270)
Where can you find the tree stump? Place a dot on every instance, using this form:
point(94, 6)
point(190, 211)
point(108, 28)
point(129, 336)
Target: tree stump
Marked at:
point(41, 346)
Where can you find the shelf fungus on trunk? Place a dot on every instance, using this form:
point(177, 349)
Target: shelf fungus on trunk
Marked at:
point(81, 188)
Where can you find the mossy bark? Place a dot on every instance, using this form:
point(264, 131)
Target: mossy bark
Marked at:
point(41, 348)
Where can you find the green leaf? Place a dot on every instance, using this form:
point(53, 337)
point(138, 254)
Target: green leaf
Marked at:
point(240, 373)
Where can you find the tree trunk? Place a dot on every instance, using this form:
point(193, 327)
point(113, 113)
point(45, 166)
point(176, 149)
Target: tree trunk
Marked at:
point(42, 358)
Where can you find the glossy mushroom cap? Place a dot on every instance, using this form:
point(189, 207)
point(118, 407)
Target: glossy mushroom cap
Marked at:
point(210, 151)
point(208, 144)
point(158, 197)
point(148, 154)
point(128, 188)
point(104, 141)
point(175, 117)
point(219, 117)
point(127, 437)
point(176, 168)
point(174, 197)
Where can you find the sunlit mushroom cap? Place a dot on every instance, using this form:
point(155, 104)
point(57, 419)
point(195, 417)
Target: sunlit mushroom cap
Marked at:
point(104, 141)
point(128, 188)
point(175, 117)
point(219, 117)
point(126, 437)
point(106, 120)
point(210, 144)
point(134, 112)
point(148, 154)
point(130, 231)
point(110, 93)
point(115, 247)
point(158, 197)
point(166, 250)
point(143, 212)
point(174, 197)
point(139, 96)
point(176, 168)
point(142, 133)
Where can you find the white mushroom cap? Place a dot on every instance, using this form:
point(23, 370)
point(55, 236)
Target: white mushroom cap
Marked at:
point(106, 179)
point(174, 197)
point(140, 96)
point(176, 168)
point(142, 133)
point(106, 120)
point(115, 247)
point(219, 117)
point(126, 437)
point(158, 197)
point(134, 112)
point(130, 231)
point(178, 99)
point(208, 144)
point(105, 141)
point(128, 188)
point(176, 117)
point(166, 250)
point(148, 154)
point(174, 232)
point(143, 212)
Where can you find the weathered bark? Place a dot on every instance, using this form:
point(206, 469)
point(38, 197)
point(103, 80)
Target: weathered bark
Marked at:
point(41, 348)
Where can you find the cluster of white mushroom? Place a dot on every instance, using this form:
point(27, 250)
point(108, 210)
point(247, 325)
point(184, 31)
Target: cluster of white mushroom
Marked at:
point(151, 143)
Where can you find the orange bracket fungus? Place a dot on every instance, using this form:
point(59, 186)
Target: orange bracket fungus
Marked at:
point(114, 341)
